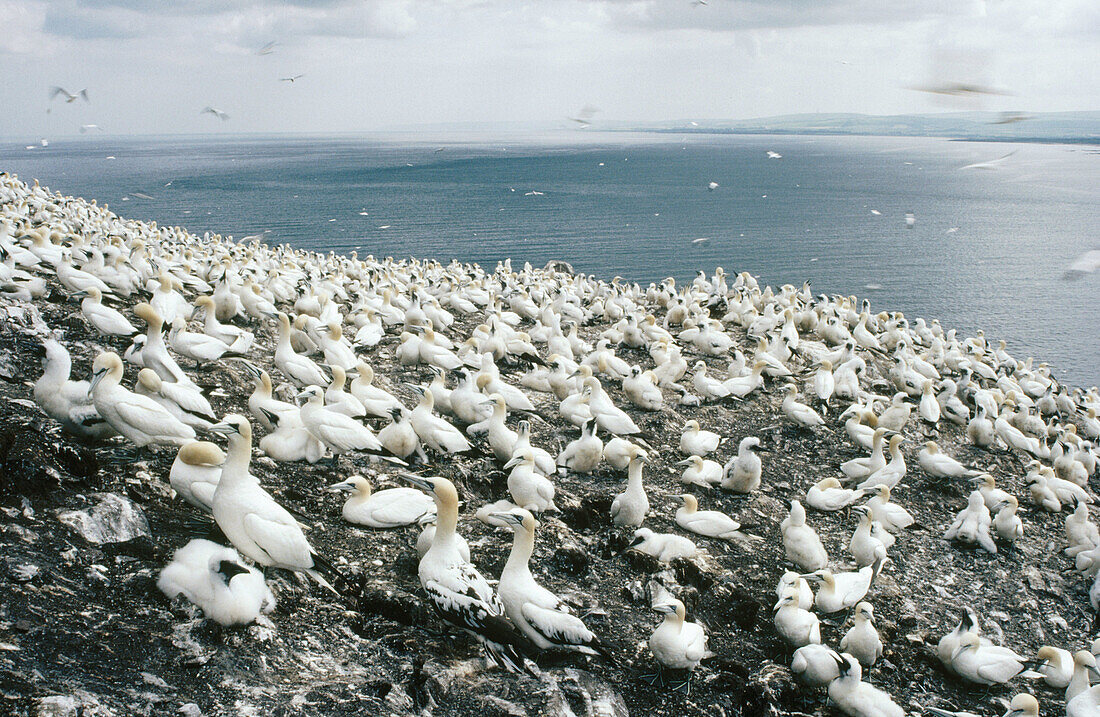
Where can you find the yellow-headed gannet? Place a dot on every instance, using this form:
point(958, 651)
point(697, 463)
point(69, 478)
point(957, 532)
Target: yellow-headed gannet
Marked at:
point(700, 472)
point(104, 319)
point(815, 665)
point(940, 465)
point(195, 473)
point(828, 495)
point(800, 542)
point(862, 641)
point(390, 508)
point(794, 623)
point(695, 441)
point(800, 413)
point(139, 419)
point(840, 591)
point(677, 644)
point(630, 507)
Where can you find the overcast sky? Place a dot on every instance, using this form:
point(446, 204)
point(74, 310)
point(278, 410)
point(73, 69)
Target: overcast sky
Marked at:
point(152, 65)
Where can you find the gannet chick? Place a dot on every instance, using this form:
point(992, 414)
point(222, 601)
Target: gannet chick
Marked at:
point(985, 664)
point(68, 402)
point(139, 419)
point(941, 465)
point(1006, 523)
point(862, 640)
point(214, 578)
point(864, 546)
point(390, 508)
point(538, 613)
point(104, 319)
point(815, 665)
point(800, 542)
point(457, 591)
point(427, 535)
point(1081, 532)
point(530, 490)
point(972, 524)
point(800, 413)
point(700, 472)
point(794, 623)
point(697, 442)
point(856, 698)
point(250, 518)
point(1056, 667)
point(791, 579)
point(399, 438)
point(741, 473)
point(827, 495)
point(583, 454)
point(677, 644)
point(892, 516)
point(665, 547)
point(841, 591)
point(630, 507)
point(708, 523)
point(195, 473)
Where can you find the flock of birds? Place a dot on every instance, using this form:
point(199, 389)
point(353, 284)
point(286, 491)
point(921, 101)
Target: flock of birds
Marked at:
point(329, 310)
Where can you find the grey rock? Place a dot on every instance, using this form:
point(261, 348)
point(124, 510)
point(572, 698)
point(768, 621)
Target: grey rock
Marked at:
point(114, 519)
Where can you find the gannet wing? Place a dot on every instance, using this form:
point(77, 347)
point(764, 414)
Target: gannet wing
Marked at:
point(463, 597)
point(147, 415)
point(402, 508)
point(560, 628)
point(697, 645)
point(278, 535)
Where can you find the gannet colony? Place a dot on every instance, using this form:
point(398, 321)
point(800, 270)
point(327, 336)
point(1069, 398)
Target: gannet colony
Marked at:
point(244, 479)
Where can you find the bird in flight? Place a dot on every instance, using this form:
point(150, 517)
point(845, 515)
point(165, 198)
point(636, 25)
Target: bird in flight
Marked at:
point(216, 112)
point(290, 79)
point(697, 3)
point(1087, 263)
point(267, 49)
point(584, 117)
point(69, 96)
point(991, 164)
point(960, 89)
point(774, 155)
point(89, 127)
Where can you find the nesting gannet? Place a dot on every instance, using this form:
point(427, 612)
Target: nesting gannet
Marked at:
point(104, 319)
point(376, 401)
point(941, 465)
point(1056, 667)
point(980, 429)
point(68, 402)
point(896, 414)
point(968, 624)
point(618, 452)
point(694, 441)
point(529, 489)
point(828, 495)
point(338, 432)
point(791, 579)
point(840, 591)
point(677, 643)
point(665, 547)
point(708, 523)
point(298, 368)
point(1084, 669)
point(339, 400)
point(862, 641)
point(985, 664)
point(815, 665)
point(539, 614)
point(457, 591)
point(800, 542)
point(856, 698)
point(390, 508)
point(187, 405)
point(213, 577)
point(195, 473)
point(139, 419)
point(972, 524)
point(894, 471)
point(709, 389)
point(544, 462)
point(742, 386)
point(795, 623)
point(198, 347)
point(640, 388)
point(630, 507)
point(800, 413)
point(892, 516)
point(741, 473)
point(434, 432)
point(700, 472)
point(238, 340)
point(583, 454)
point(250, 518)
point(1006, 524)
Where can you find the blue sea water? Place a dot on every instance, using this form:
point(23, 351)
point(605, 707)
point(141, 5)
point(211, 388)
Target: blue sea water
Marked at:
point(987, 251)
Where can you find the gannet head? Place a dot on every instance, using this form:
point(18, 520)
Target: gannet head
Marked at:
point(201, 453)
point(148, 314)
point(519, 519)
point(106, 364)
point(149, 379)
point(1023, 704)
point(691, 503)
point(864, 611)
point(691, 461)
point(748, 443)
point(671, 606)
point(312, 394)
point(441, 489)
point(932, 447)
point(969, 641)
point(355, 484)
point(691, 425)
point(233, 425)
point(228, 569)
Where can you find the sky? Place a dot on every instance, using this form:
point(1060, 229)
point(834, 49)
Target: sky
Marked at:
point(151, 66)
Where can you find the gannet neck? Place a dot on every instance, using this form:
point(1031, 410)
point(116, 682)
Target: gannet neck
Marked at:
point(523, 545)
point(238, 457)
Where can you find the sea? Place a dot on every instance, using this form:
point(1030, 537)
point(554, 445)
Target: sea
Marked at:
point(905, 222)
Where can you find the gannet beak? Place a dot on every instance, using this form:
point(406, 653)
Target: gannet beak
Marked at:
point(224, 429)
point(509, 518)
point(301, 398)
point(79, 294)
point(417, 481)
point(515, 461)
point(341, 487)
point(685, 462)
point(96, 378)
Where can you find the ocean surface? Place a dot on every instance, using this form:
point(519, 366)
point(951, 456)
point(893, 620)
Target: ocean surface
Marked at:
point(987, 250)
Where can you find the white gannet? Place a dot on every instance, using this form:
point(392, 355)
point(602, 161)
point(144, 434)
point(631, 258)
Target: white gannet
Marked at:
point(213, 577)
point(154, 353)
point(539, 614)
point(375, 400)
point(544, 462)
point(800, 542)
point(1084, 669)
point(529, 489)
point(298, 368)
point(862, 641)
point(708, 523)
point(68, 402)
point(583, 454)
point(630, 507)
point(860, 468)
point(339, 400)
point(195, 473)
point(390, 508)
point(187, 405)
point(238, 339)
point(894, 471)
point(694, 441)
point(664, 547)
point(338, 432)
point(399, 437)
point(800, 413)
point(865, 546)
point(640, 388)
point(457, 591)
point(991, 494)
point(618, 452)
point(700, 472)
point(1006, 524)
point(791, 579)
point(289, 440)
point(968, 624)
point(972, 524)
point(795, 623)
point(815, 665)
point(434, 432)
point(139, 419)
point(840, 591)
point(1056, 667)
point(896, 414)
point(677, 643)
point(941, 465)
point(892, 516)
point(709, 389)
point(501, 438)
point(250, 518)
point(198, 347)
point(980, 429)
point(985, 664)
point(104, 319)
point(1081, 532)
point(741, 473)
point(856, 698)
point(828, 495)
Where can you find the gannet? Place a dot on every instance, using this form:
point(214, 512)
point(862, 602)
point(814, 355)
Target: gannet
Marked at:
point(841, 591)
point(104, 319)
point(165, 301)
point(865, 546)
point(583, 454)
point(1006, 524)
point(815, 665)
point(434, 432)
point(213, 577)
point(618, 452)
point(896, 414)
point(640, 388)
point(298, 368)
point(75, 279)
point(139, 419)
point(1081, 532)
point(800, 413)
point(339, 400)
point(188, 406)
point(800, 542)
point(862, 640)
point(980, 429)
point(338, 432)
point(791, 579)
point(709, 389)
point(427, 535)
point(972, 524)
point(529, 489)
point(677, 644)
point(894, 471)
point(708, 523)
point(700, 472)
point(390, 508)
point(828, 495)
point(154, 354)
point(68, 402)
point(608, 416)
point(538, 613)
point(968, 624)
point(501, 438)
point(250, 518)
point(376, 401)
point(195, 473)
point(1087, 703)
point(457, 591)
point(1084, 668)
point(860, 468)
point(198, 347)
point(1056, 667)
point(544, 462)
point(991, 494)
point(694, 441)
point(794, 623)
point(630, 507)
point(289, 440)
point(399, 437)
point(664, 547)
point(941, 465)
point(985, 664)
point(856, 698)
point(741, 473)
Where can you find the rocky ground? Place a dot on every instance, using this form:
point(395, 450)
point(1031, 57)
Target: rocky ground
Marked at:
point(83, 629)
